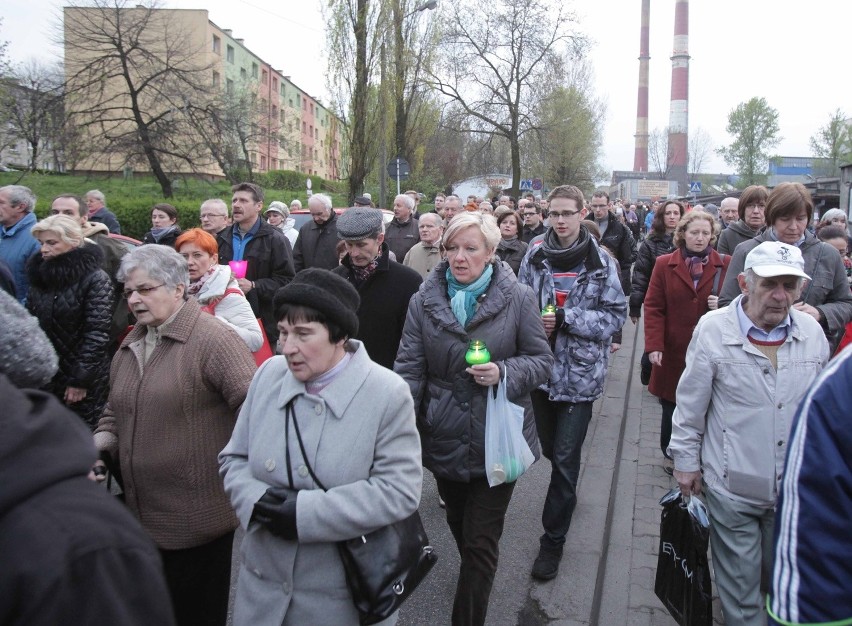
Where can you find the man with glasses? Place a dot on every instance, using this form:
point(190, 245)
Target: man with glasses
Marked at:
point(750, 209)
point(615, 236)
point(214, 216)
point(568, 271)
point(532, 221)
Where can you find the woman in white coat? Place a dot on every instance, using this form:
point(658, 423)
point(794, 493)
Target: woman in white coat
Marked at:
point(215, 287)
point(356, 422)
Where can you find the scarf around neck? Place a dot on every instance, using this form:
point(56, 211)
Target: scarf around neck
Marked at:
point(195, 287)
point(159, 233)
point(565, 258)
point(463, 297)
point(695, 262)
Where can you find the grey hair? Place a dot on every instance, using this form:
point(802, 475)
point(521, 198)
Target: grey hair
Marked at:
point(485, 222)
point(751, 280)
point(830, 215)
point(437, 219)
point(68, 229)
point(296, 202)
point(275, 204)
point(160, 263)
point(407, 200)
point(218, 203)
point(97, 195)
point(21, 196)
point(323, 199)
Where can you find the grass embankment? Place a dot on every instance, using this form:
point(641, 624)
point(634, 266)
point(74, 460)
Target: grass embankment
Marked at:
point(131, 199)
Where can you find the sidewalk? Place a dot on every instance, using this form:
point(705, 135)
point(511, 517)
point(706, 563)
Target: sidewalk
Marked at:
point(607, 574)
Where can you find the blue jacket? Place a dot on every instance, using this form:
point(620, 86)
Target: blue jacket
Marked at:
point(108, 218)
point(16, 246)
point(812, 581)
point(595, 310)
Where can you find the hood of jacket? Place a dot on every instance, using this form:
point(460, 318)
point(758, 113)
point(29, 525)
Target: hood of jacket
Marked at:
point(215, 286)
point(34, 426)
point(65, 269)
point(93, 228)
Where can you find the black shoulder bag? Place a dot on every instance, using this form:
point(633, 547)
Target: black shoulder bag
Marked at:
point(382, 567)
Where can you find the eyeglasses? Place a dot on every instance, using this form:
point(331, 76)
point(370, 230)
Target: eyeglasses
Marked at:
point(555, 215)
point(142, 291)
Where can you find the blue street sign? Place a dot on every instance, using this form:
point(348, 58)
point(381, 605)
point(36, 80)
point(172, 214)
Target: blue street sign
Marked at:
point(695, 187)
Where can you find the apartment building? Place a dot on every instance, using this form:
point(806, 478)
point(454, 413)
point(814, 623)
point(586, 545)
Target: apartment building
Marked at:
point(279, 126)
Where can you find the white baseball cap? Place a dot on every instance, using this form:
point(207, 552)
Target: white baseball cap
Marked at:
point(773, 258)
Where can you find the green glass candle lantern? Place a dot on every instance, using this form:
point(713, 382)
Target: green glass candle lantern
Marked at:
point(477, 353)
point(548, 308)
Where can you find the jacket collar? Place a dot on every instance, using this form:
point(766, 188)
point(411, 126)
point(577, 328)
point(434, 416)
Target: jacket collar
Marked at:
point(25, 222)
point(179, 329)
point(732, 334)
point(340, 392)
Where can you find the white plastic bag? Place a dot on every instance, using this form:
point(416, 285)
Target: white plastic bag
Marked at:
point(507, 454)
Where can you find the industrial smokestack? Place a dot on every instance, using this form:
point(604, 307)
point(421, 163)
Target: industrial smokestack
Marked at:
point(640, 155)
point(678, 115)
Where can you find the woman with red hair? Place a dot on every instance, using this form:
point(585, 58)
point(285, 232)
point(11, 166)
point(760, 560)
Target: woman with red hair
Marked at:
point(215, 287)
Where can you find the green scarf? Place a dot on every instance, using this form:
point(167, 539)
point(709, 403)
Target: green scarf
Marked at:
point(463, 297)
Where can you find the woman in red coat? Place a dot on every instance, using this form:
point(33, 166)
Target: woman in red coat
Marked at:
point(684, 286)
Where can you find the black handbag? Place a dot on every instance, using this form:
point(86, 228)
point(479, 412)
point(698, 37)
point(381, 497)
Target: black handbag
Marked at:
point(382, 567)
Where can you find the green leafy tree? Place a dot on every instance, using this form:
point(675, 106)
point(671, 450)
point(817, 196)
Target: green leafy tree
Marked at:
point(833, 143)
point(754, 127)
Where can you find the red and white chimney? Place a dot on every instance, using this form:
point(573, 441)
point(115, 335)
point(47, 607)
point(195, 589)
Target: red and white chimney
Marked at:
point(640, 154)
point(678, 114)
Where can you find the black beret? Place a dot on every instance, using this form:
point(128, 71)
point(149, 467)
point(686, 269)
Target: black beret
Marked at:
point(326, 292)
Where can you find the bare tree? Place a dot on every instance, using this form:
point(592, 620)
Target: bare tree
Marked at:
point(700, 148)
point(30, 99)
point(130, 69)
point(658, 152)
point(494, 62)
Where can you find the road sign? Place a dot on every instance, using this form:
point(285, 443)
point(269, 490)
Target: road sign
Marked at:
point(537, 184)
point(695, 187)
point(526, 185)
point(399, 168)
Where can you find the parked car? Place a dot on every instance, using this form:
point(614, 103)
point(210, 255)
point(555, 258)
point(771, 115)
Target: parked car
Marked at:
point(129, 242)
point(303, 215)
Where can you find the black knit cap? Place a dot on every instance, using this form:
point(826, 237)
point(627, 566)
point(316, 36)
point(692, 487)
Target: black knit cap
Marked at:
point(326, 292)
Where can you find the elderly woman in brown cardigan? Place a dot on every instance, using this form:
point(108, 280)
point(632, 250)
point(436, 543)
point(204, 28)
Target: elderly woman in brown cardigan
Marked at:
point(177, 383)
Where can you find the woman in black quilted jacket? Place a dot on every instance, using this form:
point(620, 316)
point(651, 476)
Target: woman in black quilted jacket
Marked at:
point(72, 299)
point(656, 244)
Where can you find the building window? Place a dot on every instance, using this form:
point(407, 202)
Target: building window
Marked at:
point(254, 69)
point(304, 104)
point(274, 112)
point(243, 73)
point(311, 130)
point(263, 162)
point(304, 128)
point(264, 77)
point(254, 158)
point(217, 45)
point(274, 84)
point(316, 133)
point(230, 54)
point(229, 85)
point(216, 79)
point(283, 93)
point(312, 108)
point(290, 102)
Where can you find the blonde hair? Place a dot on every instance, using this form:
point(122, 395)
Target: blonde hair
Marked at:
point(485, 222)
point(67, 228)
point(679, 240)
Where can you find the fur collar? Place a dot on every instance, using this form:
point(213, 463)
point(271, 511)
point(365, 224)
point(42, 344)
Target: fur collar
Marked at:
point(66, 269)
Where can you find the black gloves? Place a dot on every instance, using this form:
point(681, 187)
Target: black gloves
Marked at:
point(277, 513)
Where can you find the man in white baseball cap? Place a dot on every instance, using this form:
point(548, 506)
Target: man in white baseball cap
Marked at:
point(747, 368)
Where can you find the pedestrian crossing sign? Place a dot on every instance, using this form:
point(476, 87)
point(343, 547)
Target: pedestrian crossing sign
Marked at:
point(695, 187)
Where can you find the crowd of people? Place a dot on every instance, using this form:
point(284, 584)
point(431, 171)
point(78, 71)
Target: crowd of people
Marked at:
point(163, 355)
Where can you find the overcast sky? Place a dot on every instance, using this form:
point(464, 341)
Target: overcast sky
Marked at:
point(793, 57)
